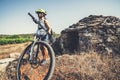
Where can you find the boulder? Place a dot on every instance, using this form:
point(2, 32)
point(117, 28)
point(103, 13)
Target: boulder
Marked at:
point(14, 55)
point(4, 63)
point(95, 32)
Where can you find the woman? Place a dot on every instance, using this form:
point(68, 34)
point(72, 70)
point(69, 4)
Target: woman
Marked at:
point(45, 37)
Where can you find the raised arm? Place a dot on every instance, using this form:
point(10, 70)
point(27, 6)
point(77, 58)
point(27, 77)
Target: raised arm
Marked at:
point(35, 20)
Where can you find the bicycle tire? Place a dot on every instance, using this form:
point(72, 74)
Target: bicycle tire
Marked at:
point(52, 60)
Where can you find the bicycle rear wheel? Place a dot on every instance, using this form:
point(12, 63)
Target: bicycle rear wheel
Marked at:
point(33, 70)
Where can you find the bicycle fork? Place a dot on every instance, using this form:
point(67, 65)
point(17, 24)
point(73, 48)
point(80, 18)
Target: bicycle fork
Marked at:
point(32, 49)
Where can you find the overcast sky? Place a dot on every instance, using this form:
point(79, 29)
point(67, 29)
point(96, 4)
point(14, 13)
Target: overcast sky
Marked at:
point(61, 13)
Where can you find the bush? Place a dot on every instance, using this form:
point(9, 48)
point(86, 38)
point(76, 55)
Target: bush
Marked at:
point(12, 39)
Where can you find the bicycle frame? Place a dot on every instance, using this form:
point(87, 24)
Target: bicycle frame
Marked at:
point(36, 39)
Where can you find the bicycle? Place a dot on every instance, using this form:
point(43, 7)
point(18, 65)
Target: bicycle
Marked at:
point(29, 63)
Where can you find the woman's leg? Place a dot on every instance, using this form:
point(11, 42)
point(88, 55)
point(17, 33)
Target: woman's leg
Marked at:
point(44, 52)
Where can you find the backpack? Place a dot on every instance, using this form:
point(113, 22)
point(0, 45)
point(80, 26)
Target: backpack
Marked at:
point(51, 37)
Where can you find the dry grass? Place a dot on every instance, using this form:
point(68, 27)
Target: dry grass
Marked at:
point(86, 66)
point(90, 66)
point(3, 76)
point(5, 50)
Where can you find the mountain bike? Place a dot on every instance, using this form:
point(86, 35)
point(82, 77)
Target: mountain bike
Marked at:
point(29, 64)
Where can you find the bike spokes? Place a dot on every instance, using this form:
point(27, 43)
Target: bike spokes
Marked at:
point(33, 69)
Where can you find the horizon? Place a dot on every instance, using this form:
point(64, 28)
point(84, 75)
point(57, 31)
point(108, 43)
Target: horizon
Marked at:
point(61, 14)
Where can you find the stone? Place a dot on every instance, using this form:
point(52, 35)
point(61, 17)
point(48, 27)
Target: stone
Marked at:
point(90, 33)
point(4, 63)
point(14, 55)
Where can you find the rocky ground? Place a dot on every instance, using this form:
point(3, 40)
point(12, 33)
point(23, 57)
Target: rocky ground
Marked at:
point(90, 66)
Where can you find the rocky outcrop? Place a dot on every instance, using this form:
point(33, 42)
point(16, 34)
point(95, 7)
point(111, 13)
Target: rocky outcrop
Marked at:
point(5, 62)
point(15, 55)
point(90, 66)
point(98, 33)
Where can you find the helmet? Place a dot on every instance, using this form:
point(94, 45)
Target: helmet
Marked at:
point(41, 11)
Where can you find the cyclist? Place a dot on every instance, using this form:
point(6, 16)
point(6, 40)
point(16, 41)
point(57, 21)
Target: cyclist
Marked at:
point(45, 37)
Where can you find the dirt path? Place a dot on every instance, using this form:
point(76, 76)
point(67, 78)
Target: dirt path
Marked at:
point(5, 50)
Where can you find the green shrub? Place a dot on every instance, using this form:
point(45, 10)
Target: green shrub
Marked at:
point(12, 39)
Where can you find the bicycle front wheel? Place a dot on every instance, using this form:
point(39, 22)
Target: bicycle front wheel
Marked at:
point(33, 69)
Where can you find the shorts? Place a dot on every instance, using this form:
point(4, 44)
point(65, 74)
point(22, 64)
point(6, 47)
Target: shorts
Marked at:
point(44, 38)
point(43, 35)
